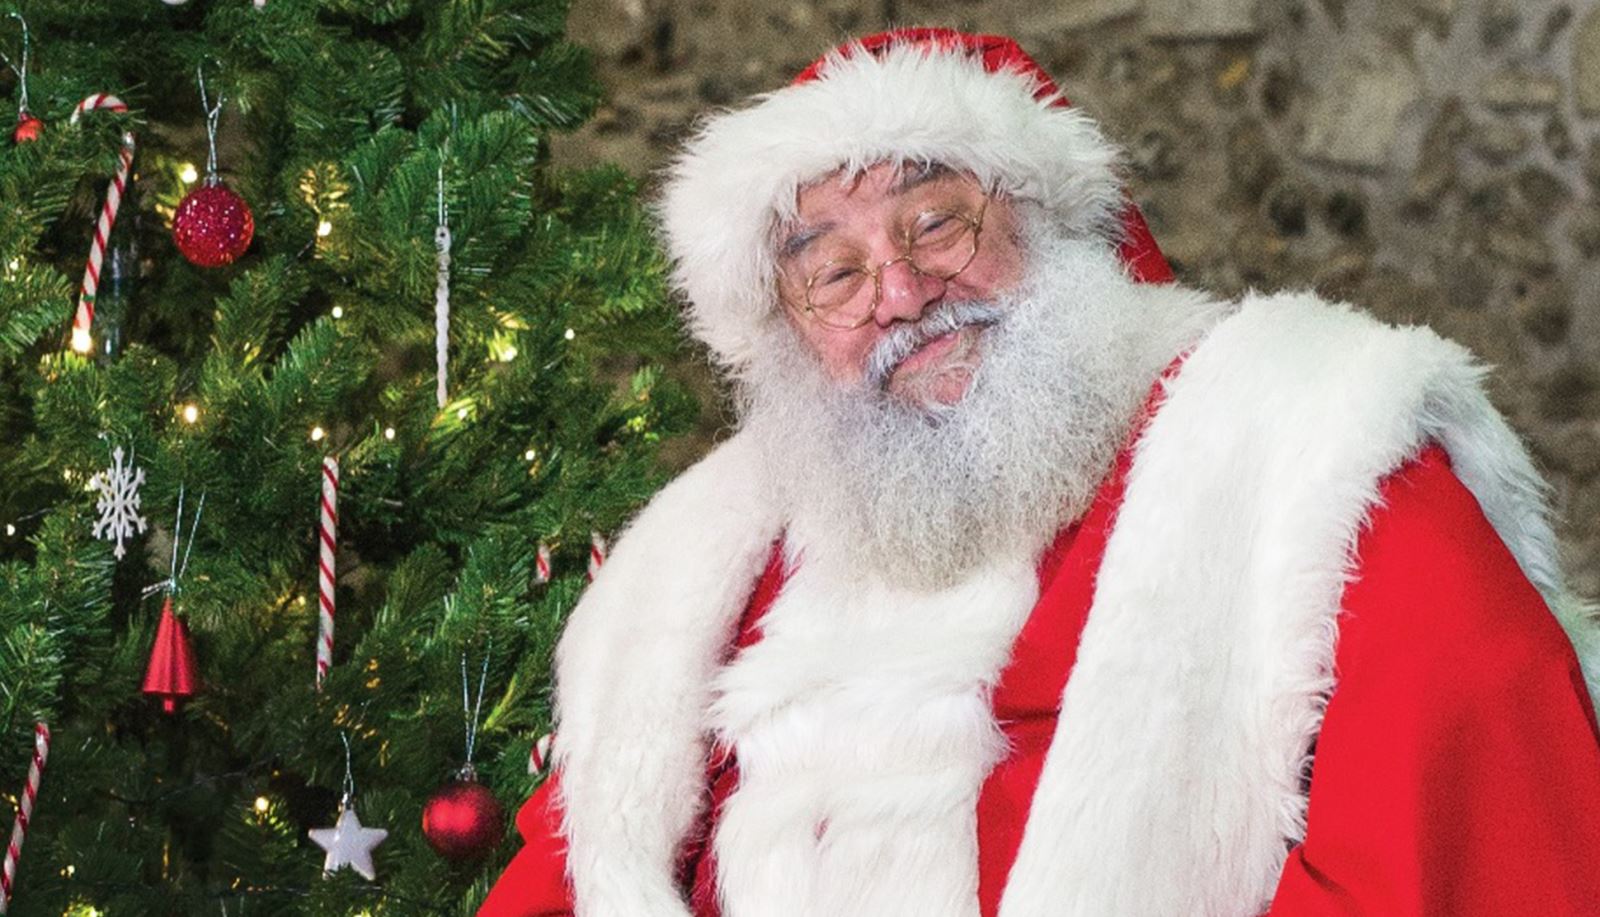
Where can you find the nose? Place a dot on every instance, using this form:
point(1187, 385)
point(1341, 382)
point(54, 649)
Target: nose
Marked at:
point(904, 292)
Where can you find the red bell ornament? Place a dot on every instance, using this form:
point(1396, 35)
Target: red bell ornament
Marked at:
point(170, 675)
point(463, 821)
point(213, 226)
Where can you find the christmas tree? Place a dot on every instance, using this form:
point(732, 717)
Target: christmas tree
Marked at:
point(377, 366)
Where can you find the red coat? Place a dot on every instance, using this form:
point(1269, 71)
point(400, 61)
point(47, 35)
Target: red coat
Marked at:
point(1458, 766)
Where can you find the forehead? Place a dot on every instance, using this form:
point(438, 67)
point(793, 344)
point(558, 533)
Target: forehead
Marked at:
point(878, 184)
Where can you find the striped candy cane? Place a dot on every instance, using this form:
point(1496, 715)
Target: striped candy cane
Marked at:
point(328, 540)
point(597, 553)
point(541, 564)
point(19, 829)
point(539, 754)
point(81, 322)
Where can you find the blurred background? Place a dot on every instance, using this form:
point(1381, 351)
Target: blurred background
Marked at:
point(1434, 161)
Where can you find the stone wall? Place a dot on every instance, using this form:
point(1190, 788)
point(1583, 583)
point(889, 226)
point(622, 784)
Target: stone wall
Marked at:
point(1432, 160)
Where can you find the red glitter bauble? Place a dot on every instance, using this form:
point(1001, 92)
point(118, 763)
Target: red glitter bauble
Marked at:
point(28, 128)
point(213, 226)
point(463, 821)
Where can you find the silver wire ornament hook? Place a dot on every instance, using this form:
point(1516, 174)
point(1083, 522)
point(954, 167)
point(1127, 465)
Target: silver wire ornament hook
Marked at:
point(213, 115)
point(177, 535)
point(22, 71)
point(193, 527)
point(470, 710)
point(348, 788)
point(175, 572)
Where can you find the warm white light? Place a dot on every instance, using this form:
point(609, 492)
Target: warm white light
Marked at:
point(81, 341)
point(317, 433)
point(570, 334)
point(461, 413)
point(508, 354)
point(10, 530)
point(338, 311)
point(13, 264)
point(388, 432)
point(530, 455)
point(262, 804)
point(191, 413)
point(189, 174)
point(323, 229)
point(69, 871)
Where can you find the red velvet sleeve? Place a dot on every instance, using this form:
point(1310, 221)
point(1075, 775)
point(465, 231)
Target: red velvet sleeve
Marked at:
point(1458, 767)
point(534, 883)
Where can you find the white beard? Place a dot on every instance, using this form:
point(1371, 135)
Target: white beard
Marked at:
point(921, 496)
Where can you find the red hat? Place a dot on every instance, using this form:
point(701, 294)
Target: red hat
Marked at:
point(978, 103)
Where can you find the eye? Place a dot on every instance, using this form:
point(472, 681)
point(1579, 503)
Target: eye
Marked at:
point(837, 275)
point(937, 229)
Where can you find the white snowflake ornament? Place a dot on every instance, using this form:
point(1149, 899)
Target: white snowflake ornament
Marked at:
point(119, 502)
point(349, 844)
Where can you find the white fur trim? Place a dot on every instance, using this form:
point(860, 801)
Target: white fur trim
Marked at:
point(633, 680)
point(863, 730)
point(740, 173)
point(1272, 441)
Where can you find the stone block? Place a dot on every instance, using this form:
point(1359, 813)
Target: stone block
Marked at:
point(1201, 19)
point(1520, 90)
point(1499, 142)
point(1076, 15)
point(1354, 121)
point(1586, 63)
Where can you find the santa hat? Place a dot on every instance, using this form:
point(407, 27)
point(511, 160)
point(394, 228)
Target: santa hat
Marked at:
point(977, 103)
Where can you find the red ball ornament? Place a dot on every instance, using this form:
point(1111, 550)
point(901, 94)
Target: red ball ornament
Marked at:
point(212, 226)
point(28, 128)
point(463, 821)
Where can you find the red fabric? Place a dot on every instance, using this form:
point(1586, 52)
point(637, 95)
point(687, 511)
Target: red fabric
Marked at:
point(534, 883)
point(1027, 698)
point(1458, 767)
point(1138, 247)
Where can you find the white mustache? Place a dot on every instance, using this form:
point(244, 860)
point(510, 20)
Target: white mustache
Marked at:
point(901, 341)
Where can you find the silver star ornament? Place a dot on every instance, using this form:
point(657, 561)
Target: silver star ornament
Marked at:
point(348, 844)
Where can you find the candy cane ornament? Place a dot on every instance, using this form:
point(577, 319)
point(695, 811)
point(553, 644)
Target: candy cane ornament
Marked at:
point(597, 554)
point(539, 754)
point(328, 540)
point(82, 341)
point(541, 564)
point(19, 828)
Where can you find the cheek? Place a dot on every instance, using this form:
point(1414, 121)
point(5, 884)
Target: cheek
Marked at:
point(846, 355)
point(842, 353)
point(1000, 259)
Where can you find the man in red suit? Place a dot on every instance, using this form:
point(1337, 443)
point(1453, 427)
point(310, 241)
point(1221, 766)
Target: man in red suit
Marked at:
point(1033, 583)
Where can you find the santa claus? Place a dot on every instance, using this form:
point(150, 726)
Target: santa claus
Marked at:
point(1033, 583)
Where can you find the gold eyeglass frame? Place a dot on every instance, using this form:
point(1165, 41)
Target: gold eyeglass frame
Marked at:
point(876, 273)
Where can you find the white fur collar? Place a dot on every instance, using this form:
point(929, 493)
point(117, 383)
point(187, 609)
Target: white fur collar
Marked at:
point(1242, 506)
point(1272, 443)
point(863, 731)
point(633, 673)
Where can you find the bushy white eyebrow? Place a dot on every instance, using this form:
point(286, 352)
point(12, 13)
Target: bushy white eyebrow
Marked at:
point(911, 175)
